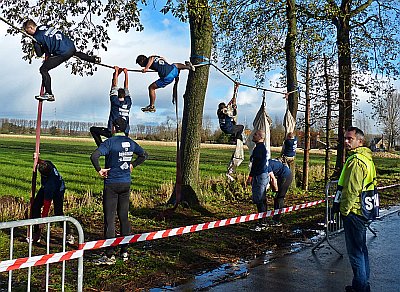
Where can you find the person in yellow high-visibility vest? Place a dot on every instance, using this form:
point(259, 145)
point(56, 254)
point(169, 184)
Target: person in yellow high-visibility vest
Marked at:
point(357, 177)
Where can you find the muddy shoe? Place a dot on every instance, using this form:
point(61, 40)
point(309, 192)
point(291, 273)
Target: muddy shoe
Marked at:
point(230, 177)
point(125, 256)
point(275, 223)
point(97, 60)
point(45, 96)
point(105, 260)
point(259, 227)
point(70, 239)
point(149, 108)
point(190, 65)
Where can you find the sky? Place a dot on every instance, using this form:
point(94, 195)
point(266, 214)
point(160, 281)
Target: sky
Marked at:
point(87, 98)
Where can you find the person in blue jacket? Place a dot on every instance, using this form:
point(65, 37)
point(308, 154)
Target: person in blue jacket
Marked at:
point(227, 123)
point(120, 105)
point(166, 72)
point(289, 147)
point(280, 177)
point(259, 178)
point(52, 189)
point(57, 47)
point(118, 151)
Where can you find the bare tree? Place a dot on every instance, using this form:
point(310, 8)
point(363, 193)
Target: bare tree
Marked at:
point(388, 110)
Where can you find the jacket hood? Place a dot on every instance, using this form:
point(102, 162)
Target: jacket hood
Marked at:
point(362, 150)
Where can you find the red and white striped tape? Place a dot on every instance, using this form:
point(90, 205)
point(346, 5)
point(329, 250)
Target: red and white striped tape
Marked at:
point(20, 263)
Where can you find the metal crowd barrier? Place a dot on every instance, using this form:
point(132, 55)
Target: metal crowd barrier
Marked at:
point(47, 220)
point(333, 221)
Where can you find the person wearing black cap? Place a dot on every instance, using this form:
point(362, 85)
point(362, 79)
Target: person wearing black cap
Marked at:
point(52, 189)
point(118, 151)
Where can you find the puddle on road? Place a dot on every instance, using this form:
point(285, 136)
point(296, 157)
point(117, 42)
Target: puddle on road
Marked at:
point(241, 269)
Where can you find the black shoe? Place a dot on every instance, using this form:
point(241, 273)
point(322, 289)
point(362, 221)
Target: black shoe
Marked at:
point(349, 289)
point(149, 108)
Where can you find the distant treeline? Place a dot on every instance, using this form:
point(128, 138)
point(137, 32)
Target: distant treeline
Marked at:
point(166, 131)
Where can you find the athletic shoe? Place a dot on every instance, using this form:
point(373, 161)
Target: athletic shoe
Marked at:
point(275, 223)
point(228, 175)
point(259, 227)
point(105, 260)
point(45, 96)
point(70, 239)
point(125, 256)
point(190, 65)
point(34, 240)
point(97, 60)
point(149, 108)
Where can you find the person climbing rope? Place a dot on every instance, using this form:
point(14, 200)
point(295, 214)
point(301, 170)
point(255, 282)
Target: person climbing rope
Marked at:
point(227, 123)
point(59, 48)
point(120, 105)
point(166, 72)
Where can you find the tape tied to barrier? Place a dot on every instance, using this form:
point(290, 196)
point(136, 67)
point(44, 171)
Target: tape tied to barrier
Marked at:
point(26, 262)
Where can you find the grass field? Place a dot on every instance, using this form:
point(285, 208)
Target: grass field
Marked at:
point(171, 260)
point(71, 156)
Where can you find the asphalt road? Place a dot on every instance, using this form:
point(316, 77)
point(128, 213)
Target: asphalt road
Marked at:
point(326, 270)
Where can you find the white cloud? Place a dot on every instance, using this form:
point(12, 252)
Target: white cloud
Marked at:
point(166, 22)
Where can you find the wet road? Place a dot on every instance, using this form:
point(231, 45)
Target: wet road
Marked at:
point(326, 270)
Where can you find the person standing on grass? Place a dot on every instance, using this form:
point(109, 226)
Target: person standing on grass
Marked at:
point(358, 177)
point(166, 72)
point(120, 106)
point(280, 177)
point(259, 178)
point(118, 151)
point(59, 49)
point(52, 189)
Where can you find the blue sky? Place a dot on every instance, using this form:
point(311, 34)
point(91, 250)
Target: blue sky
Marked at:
point(86, 98)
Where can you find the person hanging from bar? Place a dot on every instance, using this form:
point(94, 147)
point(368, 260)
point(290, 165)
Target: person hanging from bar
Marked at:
point(166, 72)
point(58, 47)
point(120, 105)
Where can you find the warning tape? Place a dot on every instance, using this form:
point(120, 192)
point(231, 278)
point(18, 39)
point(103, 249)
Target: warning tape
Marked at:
point(388, 187)
point(20, 263)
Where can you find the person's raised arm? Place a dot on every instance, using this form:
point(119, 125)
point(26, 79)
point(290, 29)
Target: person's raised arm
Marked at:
point(149, 63)
point(126, 78)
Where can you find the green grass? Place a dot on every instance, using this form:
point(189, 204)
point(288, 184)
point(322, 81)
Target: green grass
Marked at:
point(72, 160)
point(174, 259)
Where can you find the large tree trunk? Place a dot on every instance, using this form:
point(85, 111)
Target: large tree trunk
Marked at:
point(307, 127)
point(291, 67)
point(328, 120)
point(201, 43)
point(290, 50)
point(344, 62)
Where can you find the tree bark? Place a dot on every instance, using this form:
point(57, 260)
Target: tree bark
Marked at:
point(342, 23)
point(201, 43)
point(291, 68)
point(328, 120)
point(306, 157)
point(290, 50)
